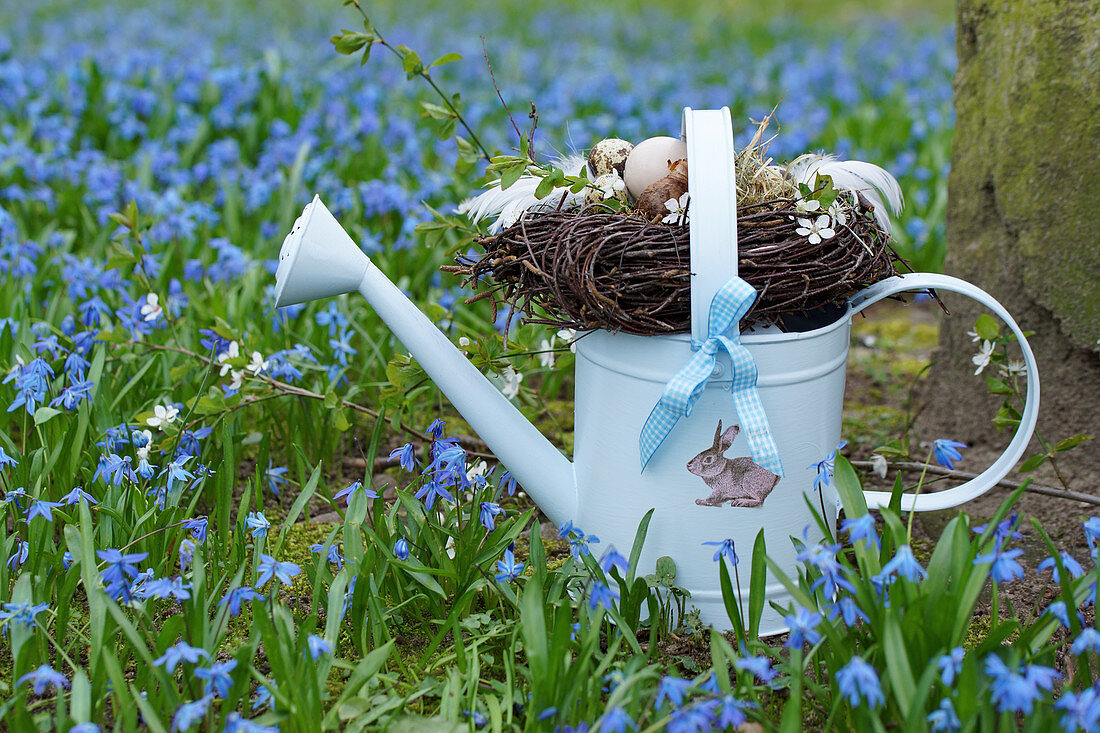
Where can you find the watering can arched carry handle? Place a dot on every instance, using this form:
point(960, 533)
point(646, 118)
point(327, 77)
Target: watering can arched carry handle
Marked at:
point(988, 478)
point(713, 231)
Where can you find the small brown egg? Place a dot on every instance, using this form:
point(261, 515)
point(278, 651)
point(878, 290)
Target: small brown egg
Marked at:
point(605, 188)
point(608, 156)
point(649, 162)
point(651, 202)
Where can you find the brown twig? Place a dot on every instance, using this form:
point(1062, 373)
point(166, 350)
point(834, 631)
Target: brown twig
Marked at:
point(493, 78)
point(966, 476)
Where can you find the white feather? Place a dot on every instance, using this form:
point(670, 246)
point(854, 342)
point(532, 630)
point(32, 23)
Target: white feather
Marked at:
point(876, 185)
point(509, 204)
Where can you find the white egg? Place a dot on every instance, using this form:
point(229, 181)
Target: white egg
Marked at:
point(648, 162)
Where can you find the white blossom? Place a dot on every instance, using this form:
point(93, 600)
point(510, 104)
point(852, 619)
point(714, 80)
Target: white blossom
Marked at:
point(807, 206)
point(476, 470)
point(973, 335)
point(151, 310)
point(1014, 368)
point(570, 335)
point(231, 352)
point(463, 341)
point(258, 364)
point(609, 185)
point(512, 378)
point(546, 354)
point(677, 210)
point(878, 465)
point(816, 230)
point(981, 359)
point(162, 415)
point(236, 378)
point(839, 216)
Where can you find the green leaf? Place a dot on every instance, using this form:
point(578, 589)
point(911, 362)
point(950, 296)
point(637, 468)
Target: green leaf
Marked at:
point(546, 185)
point(43, 414)
point(436, 112)
point(348, 42)
point(1063, 445)
point(446, 59)
point(340, 422)
point(987, 327)
point(666, 571)
point(1032, 463)
point(411, 62)
point(997, 386)
point(512, 174)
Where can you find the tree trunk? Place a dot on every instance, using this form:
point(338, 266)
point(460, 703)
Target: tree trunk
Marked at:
point(1023, 216)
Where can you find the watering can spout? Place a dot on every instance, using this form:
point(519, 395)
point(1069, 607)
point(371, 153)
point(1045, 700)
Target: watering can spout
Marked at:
point(319, 260)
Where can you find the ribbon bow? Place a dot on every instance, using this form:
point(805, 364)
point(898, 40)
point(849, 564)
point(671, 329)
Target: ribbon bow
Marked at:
point(729, 306)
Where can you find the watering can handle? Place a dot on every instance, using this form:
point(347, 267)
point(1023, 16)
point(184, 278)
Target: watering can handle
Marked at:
point(712, 213)
point(1015, 450)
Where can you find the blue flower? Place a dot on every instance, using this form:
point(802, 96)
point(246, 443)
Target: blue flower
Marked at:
point(43, 677)
point(950, 665)
point(401, 549)
point(905, 565)
point(20, 613)
point(167, 588)
point(1068, 562)
point(6, 460)
point(699, 716)
point(180, 652)
point(476, 717)
point(1004, 567)
point(847, 608)
point(726, 549)
point(263, 697)
point(276, 477)
point(1082, 710)
point(731, 714)
point(947, 451)
point(270, 568)
point(508, 569)
point(217, 677)
point(761, 667)
point(257, 522)
point(120, 569)
point(431, 491)
point(334, 555)
point(803, 624)
point(19, 555)
point(822, 557)
point(1058, 610)
point(85, 728)
point(198, 527)
point(616, 720)
point(1016, 691)
point(601, 595)
point(673, 690)
point(857, 680)
point(1092, 533)
point(507, 482)
point(350, 490)
point(341, 348)
point(578, 541)
point(190, 713)
point(943, 719)
point(236, 723)
point(1087, 640)
point(862, 528)
point(176, 472)
point(406, 456)
point(825, 467)
point(44, 509)
point(317, 646)
point(612, 559)
point(489, 513)
point(435, 430)
point(76, 495)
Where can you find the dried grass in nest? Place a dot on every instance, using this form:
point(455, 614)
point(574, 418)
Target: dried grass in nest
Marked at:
point(594, 268)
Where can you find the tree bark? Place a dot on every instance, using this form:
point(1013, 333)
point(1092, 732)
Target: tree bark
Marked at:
point(1023, 216)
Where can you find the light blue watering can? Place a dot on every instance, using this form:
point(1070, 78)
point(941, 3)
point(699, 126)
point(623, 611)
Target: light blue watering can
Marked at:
point(716, 474)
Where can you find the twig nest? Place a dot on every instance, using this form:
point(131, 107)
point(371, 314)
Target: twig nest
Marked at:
point(604, 188)
point(652, 200)
point(649, 162)
point(608, 156)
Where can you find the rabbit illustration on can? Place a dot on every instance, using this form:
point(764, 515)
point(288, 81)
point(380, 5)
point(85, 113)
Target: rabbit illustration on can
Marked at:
point(737, 480)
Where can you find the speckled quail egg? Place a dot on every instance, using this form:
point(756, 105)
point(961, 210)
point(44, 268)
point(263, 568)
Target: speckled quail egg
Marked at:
point(608, 156)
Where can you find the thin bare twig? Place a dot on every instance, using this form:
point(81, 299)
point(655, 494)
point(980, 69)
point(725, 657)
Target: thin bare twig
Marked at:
point(492, 76)
point(966, 476)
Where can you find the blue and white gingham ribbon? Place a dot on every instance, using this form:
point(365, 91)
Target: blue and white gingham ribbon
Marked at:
point(729, 306)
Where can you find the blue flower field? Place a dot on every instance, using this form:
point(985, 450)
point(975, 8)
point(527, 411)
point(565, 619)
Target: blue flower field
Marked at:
point(219, 515)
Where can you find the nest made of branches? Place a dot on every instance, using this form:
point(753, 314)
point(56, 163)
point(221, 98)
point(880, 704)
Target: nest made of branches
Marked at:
point(597, 269)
